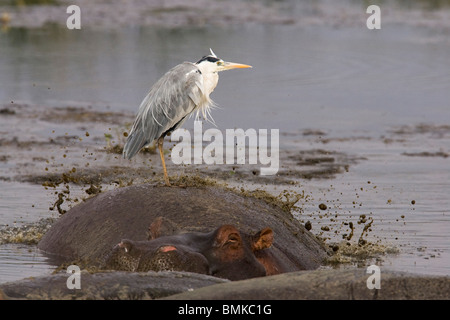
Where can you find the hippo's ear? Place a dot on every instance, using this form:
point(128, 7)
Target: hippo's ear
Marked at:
point(228, 235)
point(262, 240)
point(161, 227)
point(126, 245)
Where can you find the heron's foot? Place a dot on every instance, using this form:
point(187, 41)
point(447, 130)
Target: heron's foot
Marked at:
point(167, 182)
point(176, 185)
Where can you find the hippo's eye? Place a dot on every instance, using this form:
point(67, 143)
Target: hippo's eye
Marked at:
point(233, 241)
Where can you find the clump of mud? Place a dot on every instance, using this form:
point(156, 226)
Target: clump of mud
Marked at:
point(440, 154)
point(70, 114)
point(318, 164)
point(423, 128)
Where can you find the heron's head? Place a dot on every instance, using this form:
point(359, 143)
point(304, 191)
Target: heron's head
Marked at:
point(211, 63)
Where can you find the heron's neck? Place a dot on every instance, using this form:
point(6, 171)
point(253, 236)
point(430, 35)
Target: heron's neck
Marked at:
point(210, 78)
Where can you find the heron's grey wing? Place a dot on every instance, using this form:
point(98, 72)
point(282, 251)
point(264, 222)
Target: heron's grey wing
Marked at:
point(176, 95)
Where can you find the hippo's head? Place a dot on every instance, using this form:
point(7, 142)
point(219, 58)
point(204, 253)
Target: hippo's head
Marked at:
point(224, 252)
point(231, 254)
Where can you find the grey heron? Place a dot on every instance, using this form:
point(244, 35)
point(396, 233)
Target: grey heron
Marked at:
point(183, 90)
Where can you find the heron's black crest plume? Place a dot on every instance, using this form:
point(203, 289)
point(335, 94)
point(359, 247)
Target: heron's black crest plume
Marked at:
point(208, 58)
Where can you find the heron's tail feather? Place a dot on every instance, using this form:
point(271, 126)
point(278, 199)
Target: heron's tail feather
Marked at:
point(135, 142)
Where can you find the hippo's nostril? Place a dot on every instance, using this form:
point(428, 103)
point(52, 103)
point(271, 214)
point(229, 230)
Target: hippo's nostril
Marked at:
point(167, 248)
point(213, 270)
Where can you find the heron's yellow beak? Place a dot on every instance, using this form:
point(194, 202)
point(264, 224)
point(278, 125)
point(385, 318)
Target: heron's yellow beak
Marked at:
point(232, 65)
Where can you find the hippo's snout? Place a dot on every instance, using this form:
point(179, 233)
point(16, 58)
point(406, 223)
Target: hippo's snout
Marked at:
point(123, 257)
point(171, 258)
point(144, 256)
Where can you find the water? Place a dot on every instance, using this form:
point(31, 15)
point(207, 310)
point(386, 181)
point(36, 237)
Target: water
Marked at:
point(381, 96)
point(300, 76)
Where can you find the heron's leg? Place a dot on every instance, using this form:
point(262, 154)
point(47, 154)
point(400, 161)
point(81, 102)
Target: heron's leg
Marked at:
point(161, 153)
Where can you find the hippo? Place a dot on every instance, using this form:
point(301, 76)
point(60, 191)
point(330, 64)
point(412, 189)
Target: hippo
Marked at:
point(122, 229)
point(224, 252)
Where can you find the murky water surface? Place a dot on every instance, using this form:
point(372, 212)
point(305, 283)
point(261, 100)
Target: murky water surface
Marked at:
point(381, 98)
